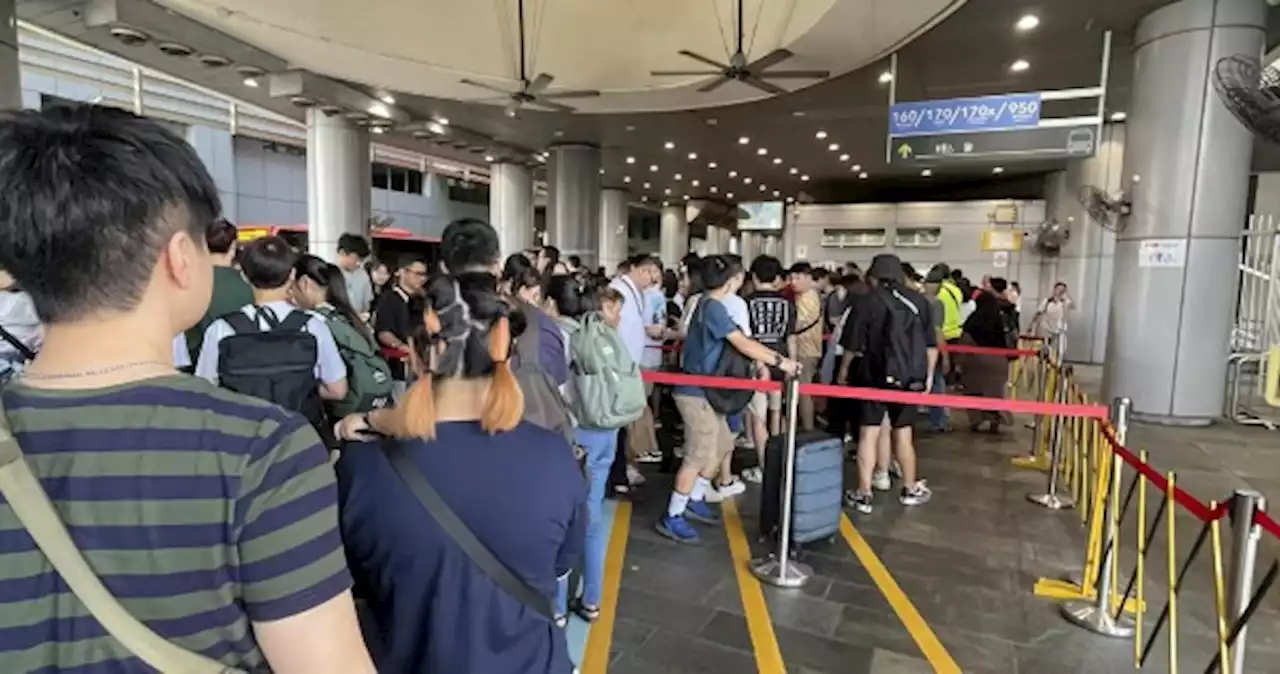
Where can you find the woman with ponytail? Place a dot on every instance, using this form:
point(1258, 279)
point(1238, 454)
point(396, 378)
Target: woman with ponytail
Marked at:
point(515, 487)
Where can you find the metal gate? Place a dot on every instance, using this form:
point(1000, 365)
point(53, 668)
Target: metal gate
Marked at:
point(1256, 332)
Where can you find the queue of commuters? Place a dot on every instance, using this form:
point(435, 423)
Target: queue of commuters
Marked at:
point(303, 505)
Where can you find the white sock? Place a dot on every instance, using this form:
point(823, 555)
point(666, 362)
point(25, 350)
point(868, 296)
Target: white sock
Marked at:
point(700, 489)
point(676, 506)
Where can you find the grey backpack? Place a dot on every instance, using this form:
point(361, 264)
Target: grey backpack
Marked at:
point(543, 404)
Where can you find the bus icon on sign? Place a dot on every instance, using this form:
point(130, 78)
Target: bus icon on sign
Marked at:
point(1080, 141)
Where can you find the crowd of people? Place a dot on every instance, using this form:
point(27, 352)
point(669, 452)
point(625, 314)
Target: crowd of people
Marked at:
point(431, 445)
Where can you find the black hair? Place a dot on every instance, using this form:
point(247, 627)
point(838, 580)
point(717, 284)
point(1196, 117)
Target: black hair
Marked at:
point(1015, 285)
point(520, 273)
point(717, 270)
point(670, 283)
point(643, 260)
point(268, 262)
point(957, 275)
point(572, 299)
point(575, 261)
point(766, 269)
point(91, 196)
point(220, 235)
point(999, 284)
point(802, 268)
point(330, 277)
point(693, 270)
point(552, 254)
point(1060, 283)
point(409, 259)
point(353, 243)
point(909, 273)
point(690, 259)
point(820, 273)
point(468, 244)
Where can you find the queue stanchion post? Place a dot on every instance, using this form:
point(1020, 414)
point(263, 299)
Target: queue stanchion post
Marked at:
point(1244, 559)
point(1044, 366)
point(1095, 614)
point(1051, 499)
point(779, 569)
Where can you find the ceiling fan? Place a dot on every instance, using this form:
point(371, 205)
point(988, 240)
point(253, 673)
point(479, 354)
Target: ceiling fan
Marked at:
point(533, 92)
point(751, 73)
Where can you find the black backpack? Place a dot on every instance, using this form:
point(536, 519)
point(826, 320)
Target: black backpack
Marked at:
point(277, 365)
point(730, 364)
point(906, 358)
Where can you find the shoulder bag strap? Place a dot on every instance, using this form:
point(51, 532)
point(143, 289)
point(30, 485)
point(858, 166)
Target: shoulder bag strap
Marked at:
point(37, 514)
point(27, 353)
point(296, 321)
point(241, 324)
point(480, 555)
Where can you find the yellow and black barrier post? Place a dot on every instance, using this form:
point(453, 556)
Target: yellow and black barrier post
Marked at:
point(1051, 499)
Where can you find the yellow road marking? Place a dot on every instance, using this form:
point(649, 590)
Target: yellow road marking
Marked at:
point(924, 637)
point(763, 640)
point(595, 658)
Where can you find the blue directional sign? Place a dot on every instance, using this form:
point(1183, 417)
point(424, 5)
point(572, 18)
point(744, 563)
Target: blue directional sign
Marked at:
point(964, 115)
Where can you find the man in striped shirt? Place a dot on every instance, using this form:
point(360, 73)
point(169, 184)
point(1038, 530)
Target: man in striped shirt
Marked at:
point(210, 516)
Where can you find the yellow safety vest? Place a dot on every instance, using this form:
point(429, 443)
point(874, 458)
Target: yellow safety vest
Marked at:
point(951, 298)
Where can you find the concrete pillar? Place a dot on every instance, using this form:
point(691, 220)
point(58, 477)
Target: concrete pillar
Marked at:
point(573, 201)
point(339, 182)
point(1187, 166)
point(787, 251)
point(1086, 260)
point(511, 206)
point(673, 234)
point(770, 246)
point(10, 80)
point(613, 228)
point(751, 246)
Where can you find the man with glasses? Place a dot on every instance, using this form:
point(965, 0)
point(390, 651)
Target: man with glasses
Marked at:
point(392, 320)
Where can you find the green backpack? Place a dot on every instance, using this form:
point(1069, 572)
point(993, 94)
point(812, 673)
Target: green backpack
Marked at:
point(368, 376)
point(607, 389)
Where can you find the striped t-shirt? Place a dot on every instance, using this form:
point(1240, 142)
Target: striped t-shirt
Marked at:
point(201, 510)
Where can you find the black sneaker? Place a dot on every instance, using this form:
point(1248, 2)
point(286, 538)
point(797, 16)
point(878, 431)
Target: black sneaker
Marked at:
point(858, 501)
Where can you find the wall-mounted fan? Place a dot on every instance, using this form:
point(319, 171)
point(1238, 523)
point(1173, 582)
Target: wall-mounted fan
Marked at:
point(1050, 236)
point(1251, 92)
point(1108, 210)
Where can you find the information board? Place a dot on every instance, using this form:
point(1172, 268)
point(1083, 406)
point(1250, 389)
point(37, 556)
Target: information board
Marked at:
point(1060, 141)
point(965, 115)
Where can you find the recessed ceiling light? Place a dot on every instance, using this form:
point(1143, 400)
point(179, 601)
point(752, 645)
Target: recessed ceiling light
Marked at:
point(1028, 22)
point(647, 185)
point(820, 135)
point(712, 165)
point(488, 157)
point(388, 99)
point(776, 193)
point(669, 145)
point(998, 170)
point(666, 203)
point(686, 197)
point(762, 188)
point(793, 170)
point(631, 160)
point(1019, 66)
point(746, 180)
point(762, 151)
point(601, 171)
point(653, 168)
point(251, 82)
point(790, 199)
point(693, 155)
point(1118, 116)
point(694, 183)
point(380, 110)
point(833, 147)
point(678, 176)
point(927, 172)
point(729, 195)
point(743, 140)
point(380, 129)
point(712, 121)
point(643, 198)
point(844, 157)
point(798, 113)
point(445, 122)
point(557, 133)
point(856, 167)
point(805, 177)
point(713, 189)
point(667, 191)
point(631, 127)
point(777, 160)
point(862, 176)
point(886, 77)
point(733, 174)
point(438, 128)
point(626, 179)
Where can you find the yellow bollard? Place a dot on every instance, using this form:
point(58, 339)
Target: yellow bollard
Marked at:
point(1172, 506)
point(1219, 589)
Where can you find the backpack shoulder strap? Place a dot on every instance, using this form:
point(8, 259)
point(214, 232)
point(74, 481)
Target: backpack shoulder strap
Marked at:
point(456, 529)
point(911, 306)
point(23, 493)
point(241, 324)
point(295, 322)
point(27, 353)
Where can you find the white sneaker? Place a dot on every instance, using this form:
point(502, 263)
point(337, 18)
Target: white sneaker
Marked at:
point(880, 480)
point(743, 442)
point(634, 476)
point(895, 469)
point(917, 494)
point(753, 475)
point(733, 488)
point(650, 457)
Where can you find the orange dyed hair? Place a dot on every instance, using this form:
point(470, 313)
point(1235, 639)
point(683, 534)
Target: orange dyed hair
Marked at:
point(505, 403)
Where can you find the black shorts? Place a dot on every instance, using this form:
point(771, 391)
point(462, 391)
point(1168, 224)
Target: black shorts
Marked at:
point(900, 416)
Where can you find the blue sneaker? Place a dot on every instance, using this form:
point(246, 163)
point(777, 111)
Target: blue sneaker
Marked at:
point(678, 529)
point(699, 511)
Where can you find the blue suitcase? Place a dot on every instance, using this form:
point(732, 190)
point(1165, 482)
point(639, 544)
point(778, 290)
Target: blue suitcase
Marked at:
point(819, 487)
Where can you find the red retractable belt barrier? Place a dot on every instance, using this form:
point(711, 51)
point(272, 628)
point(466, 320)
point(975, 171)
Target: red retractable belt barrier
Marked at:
point(1191, 503)
point(986, 350)
point(1268, 525)
point(883, 395)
